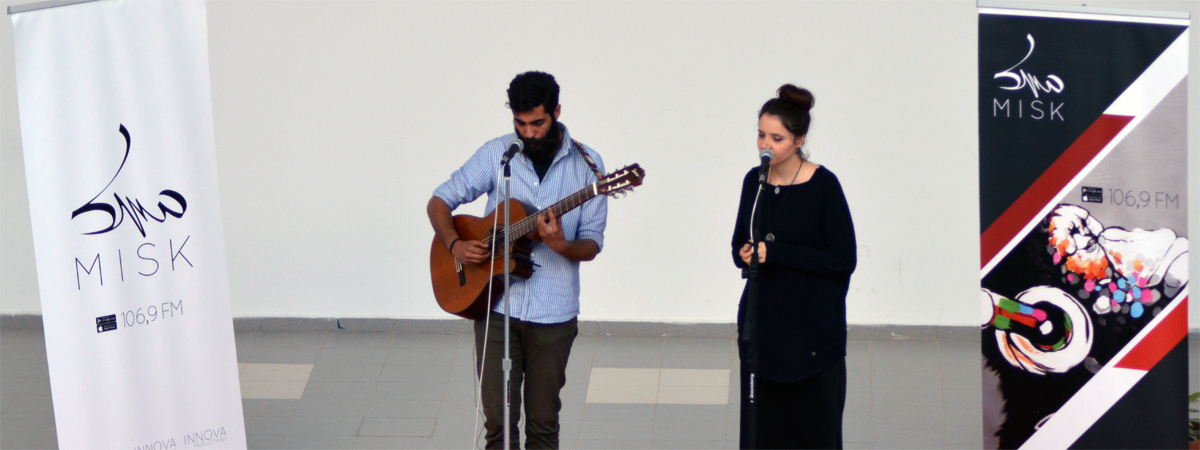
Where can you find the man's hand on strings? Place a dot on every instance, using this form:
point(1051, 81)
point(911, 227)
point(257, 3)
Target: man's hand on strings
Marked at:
point(550, 231)
point(472, 252)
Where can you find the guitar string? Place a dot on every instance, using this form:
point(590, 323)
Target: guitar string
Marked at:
point(576, 198)
point(526, 222)
point(580, 196)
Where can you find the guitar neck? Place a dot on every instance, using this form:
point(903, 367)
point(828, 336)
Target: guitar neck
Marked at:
point(529, 223)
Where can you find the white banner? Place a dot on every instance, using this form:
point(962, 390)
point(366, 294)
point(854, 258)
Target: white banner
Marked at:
point(116, 124)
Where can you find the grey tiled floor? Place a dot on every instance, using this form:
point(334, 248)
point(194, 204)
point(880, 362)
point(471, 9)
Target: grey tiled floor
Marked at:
point(396, 390)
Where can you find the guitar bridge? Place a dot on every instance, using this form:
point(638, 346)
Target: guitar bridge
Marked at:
point(462, 276)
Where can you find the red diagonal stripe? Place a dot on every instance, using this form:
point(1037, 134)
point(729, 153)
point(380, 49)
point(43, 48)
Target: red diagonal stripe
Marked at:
point(1161, 340)
point(1047, 186)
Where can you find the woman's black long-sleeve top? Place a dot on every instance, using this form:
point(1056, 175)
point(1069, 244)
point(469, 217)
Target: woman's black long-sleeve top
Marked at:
point(801, 323)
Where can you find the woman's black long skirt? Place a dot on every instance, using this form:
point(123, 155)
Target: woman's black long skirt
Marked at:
point(804, 414)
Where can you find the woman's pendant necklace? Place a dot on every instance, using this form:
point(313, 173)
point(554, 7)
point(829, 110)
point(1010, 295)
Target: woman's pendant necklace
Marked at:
point(771, 236)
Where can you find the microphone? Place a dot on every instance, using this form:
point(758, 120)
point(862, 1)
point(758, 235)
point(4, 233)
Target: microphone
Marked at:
point(515, 145)
point(766, 156)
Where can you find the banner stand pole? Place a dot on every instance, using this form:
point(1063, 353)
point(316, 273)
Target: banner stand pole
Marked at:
point(16, 9)
point(1084, 9)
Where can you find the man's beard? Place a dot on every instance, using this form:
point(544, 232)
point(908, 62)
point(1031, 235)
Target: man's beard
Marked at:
point(543, 149)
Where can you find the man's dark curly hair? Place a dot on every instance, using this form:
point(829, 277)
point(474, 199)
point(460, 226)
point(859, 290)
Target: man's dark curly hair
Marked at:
point(530, 89)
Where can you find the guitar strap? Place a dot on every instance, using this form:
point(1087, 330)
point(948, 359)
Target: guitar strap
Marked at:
point(588, 159)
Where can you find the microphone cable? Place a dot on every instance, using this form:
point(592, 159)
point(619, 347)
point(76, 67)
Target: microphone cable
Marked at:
point(487, 321)
point(754, 208)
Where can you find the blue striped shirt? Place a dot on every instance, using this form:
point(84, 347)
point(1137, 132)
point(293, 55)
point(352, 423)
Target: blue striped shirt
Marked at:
point(551, 295)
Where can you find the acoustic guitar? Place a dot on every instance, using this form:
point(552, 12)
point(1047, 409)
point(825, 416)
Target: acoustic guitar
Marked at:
point(462, 289)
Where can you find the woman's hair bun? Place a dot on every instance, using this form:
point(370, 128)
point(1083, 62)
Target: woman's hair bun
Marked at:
point(797, 96)
point(791, 107)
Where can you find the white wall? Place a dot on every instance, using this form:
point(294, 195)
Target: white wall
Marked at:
point(336, 120)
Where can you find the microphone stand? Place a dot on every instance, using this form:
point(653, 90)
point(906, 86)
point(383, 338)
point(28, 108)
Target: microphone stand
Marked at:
point(506, 364)
point(749, 329)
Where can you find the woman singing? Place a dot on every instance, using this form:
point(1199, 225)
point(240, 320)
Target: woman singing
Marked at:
point(806, 255)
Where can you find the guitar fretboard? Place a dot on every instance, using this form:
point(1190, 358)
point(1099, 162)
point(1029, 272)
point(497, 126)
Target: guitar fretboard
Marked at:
point(529, 223)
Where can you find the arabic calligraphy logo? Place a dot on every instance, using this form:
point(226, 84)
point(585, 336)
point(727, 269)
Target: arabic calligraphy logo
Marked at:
point(1022, 79)
point(131, 207)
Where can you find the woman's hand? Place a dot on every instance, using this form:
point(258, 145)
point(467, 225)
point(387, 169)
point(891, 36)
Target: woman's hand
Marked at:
point(762, 253)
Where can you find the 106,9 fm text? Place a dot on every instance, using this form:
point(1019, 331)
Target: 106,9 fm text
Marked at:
point(152, 313)
point(1143, 199)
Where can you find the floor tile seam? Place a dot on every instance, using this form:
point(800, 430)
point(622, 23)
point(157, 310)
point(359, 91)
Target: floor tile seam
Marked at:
point(879, 349)
point(265, 343)
point(285, 428)
point(942, 383)
point(662, 356)
point(657, 441)
point(17, 388)
point(36, 358)
point(424, 347)
point(476, 420)
point(476, 414)
point(365, 335)
point(591, 355)
point(674, 421)
point(287, 335)
point(378, 378)
point(353, 346)
point(698, 351)
point(477, 387)
point(454, 359)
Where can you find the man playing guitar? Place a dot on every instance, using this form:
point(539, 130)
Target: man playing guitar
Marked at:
point(544, 307)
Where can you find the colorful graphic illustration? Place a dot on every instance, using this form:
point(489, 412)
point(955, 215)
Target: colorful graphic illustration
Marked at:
point(1036, 332)
point(1095, 288)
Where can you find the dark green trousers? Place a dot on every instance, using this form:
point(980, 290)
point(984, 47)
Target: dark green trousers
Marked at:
point(539, 355)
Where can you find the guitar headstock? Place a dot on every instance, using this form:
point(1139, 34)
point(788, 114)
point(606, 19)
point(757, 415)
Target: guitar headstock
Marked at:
point(622, 181)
